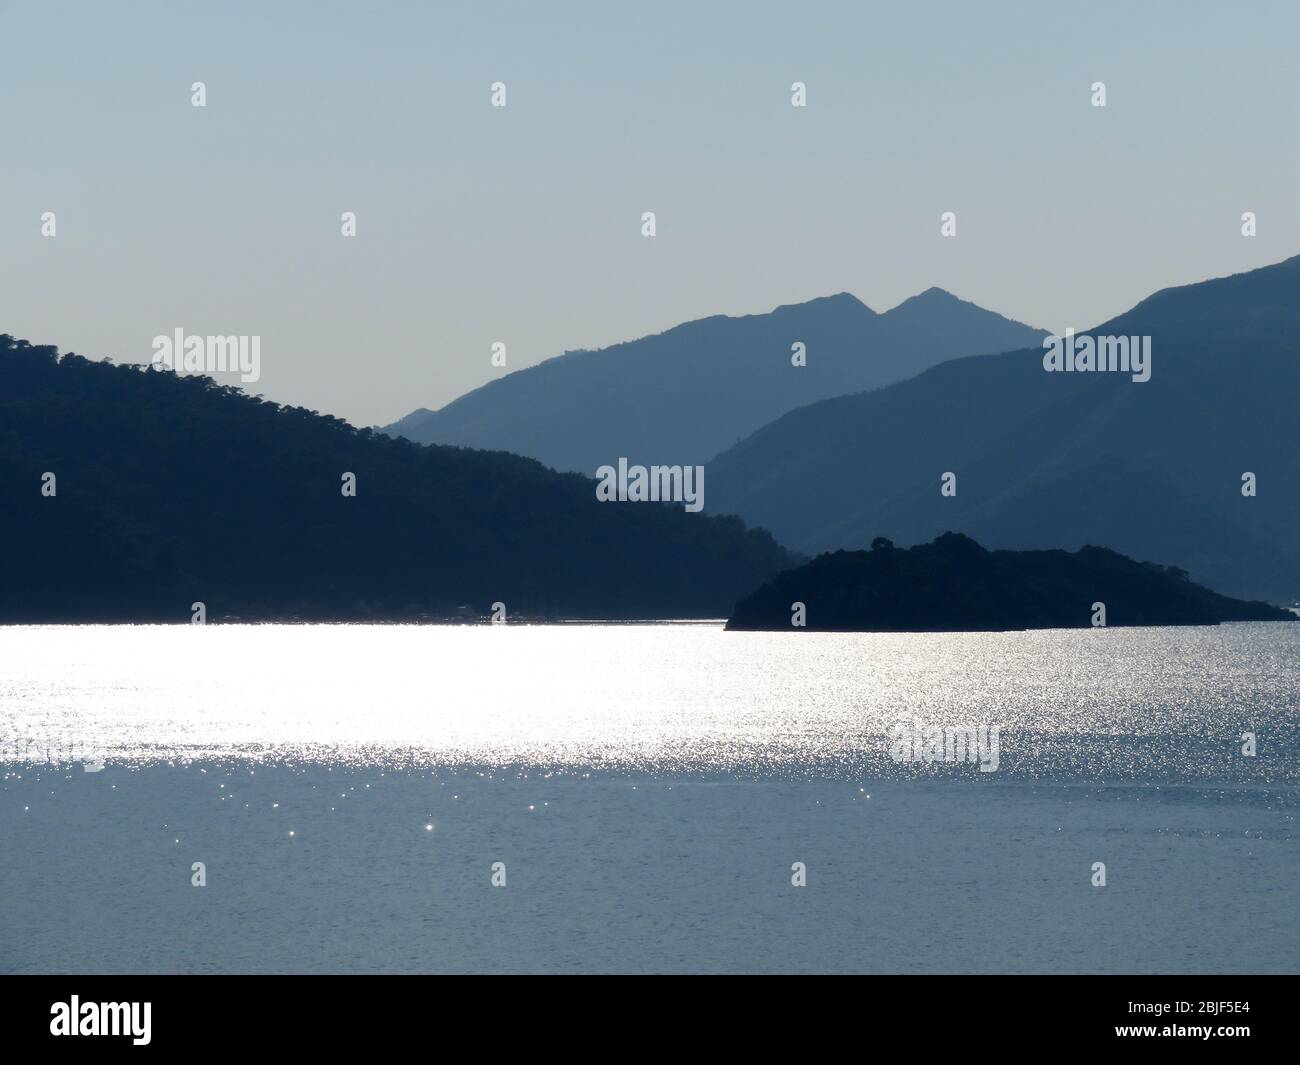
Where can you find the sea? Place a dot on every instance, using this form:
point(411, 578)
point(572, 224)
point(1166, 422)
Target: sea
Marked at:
point(668, 798)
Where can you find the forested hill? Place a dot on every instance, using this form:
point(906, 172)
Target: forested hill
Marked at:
point(954, 584)
point(170, 490)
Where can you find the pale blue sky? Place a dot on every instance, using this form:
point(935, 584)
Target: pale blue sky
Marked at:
point(523, 224)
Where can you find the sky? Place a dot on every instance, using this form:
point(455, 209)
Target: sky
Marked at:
point(523, 225)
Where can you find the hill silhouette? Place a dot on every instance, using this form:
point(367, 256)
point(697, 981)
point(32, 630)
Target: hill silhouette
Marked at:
point(172, 490)
point(1153, 469)
point(682, 396)
point(953, 584)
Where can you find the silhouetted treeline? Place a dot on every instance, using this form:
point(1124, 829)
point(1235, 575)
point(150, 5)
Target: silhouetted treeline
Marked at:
point(172, 490)
point(953, 584)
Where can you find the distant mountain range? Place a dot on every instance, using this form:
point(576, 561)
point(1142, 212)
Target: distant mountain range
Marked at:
point(173, 490)
point(170, 490)
point(1152, 469)
point(955, 585)
point(684, 395)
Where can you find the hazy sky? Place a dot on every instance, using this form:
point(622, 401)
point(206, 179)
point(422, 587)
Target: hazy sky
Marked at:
point(522, 224)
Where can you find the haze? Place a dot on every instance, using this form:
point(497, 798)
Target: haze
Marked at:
point(522, 225)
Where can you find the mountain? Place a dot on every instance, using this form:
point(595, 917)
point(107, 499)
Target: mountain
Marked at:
point(171, 490)
point(1153, 469)
point(402, 426)
point(955, 585)
point(682, 396)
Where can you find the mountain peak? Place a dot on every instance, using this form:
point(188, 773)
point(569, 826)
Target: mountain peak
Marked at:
point(942, 313)
point(931, 297)
point(841, 301)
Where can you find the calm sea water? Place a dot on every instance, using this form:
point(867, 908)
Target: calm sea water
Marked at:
point(647, 789)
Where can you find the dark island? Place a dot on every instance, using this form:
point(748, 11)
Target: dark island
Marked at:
point(955, 585)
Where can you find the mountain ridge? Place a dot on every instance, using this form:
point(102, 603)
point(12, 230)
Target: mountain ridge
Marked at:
point(1044, 459)
point(683, 395)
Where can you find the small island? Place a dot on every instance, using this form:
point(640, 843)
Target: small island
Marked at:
point(955, 585)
